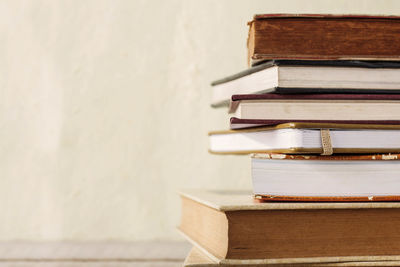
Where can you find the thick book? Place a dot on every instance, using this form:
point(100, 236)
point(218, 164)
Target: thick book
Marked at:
point(297, 76)
point(232, 229)
point(305, 137)
point(323, 37)
point(326, 178)
point(359, 107)
point(198, 258)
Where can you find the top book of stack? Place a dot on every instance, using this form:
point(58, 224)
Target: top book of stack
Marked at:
point(323, 37)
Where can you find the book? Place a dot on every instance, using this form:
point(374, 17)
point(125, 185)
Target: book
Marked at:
point(299, 137)
point(323, 37)
point(361, 107)
point(231, 229)
point(236, 124)
point(299, 76)
point(196, 258)
point(326, 178)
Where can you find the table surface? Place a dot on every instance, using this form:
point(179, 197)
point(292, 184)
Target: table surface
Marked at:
point(93, 254)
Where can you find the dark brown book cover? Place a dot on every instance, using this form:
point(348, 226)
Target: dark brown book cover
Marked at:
point(323, 37)
point(273, 96)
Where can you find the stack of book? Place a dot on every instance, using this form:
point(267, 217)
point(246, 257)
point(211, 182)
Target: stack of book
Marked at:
point(319, 112)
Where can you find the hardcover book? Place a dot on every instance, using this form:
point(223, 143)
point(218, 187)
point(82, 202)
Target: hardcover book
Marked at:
point(326, 178)
point(359, 107)
point(236, 124)
point(297, 76)
point(231, 229)
point(323, 37)
point(197, 258)
point(305, 137)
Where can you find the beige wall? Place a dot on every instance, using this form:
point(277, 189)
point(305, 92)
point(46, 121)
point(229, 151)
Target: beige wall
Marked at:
point(104, 110)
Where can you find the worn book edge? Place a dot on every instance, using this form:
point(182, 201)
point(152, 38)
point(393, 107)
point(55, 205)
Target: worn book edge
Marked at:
point(196, 258)
point(344, 16)
point(289, 260)
point(242, 200)
point(245, 124)
point(254, 58)
point(316, 150)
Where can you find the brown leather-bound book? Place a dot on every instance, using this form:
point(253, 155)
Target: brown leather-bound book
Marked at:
point(323, 37)
point(231, 229)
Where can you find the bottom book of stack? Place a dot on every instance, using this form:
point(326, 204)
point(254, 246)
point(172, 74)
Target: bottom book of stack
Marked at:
point(228, 228)
point(196, 258)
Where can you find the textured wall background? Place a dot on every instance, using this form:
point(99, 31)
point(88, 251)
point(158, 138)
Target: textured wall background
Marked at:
point(104, 110)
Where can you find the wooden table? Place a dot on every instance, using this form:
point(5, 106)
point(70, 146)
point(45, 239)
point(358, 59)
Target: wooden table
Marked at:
point(93, 254)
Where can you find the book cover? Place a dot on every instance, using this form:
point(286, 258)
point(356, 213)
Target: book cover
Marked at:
point(323, 37)
point(236, 123)
point(272, 96)
point(296, 76)
point(231, 229)
point(357, 107)
point(347, 138)
point(319, 63)
point(199, 258)
point(334, 178)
